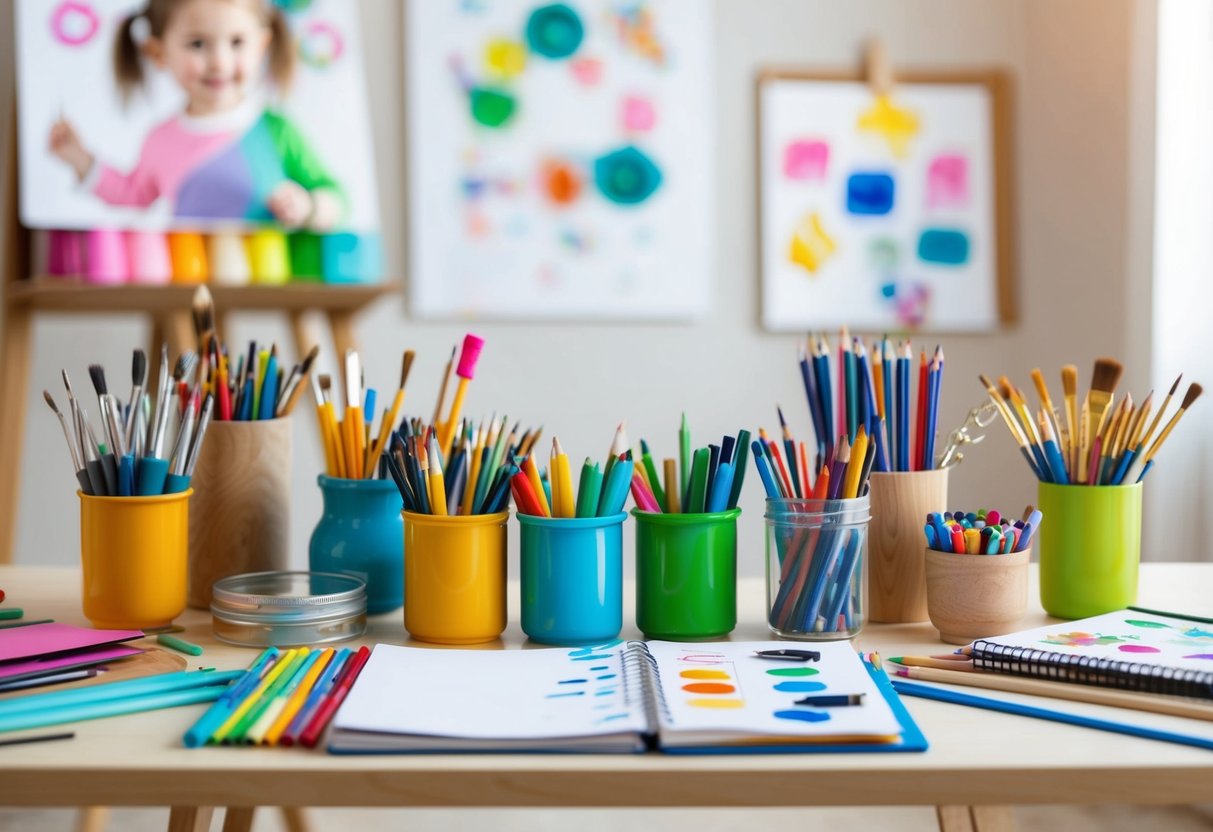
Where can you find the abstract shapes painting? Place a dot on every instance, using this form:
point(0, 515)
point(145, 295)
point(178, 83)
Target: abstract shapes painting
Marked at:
point(880, 211)
point(560, 158)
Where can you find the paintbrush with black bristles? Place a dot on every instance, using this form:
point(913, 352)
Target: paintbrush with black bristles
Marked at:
point(134, 409)
point(109, 459)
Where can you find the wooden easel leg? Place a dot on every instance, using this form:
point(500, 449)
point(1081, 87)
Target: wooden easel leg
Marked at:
point(305, 339)
point(954, 818)
point(295, 818)
point(179, 330)
point(993, 818)
point(342, 324)
point(238, 819)
point(190, 818)
point(16, 335)
point(92, 819)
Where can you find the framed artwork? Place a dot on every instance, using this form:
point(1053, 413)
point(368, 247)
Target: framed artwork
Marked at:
point(560, 158)
point(885, 212)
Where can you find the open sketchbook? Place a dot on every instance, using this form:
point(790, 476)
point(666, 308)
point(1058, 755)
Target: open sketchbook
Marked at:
point(621, 697)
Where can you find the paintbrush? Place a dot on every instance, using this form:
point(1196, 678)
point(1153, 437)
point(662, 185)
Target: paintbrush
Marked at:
point(203, 308)
point(109, 460)
point(295, 383)
point(1017, 405)
point(1046, 401)
point(105, 481)
point(1012, 423)
point(446, 380)
point(1069, 388)
point(1146, 460)
point(1099, 398)
point(1146, 437)
point(389, 418)
point(80, 469)
point(138, 379)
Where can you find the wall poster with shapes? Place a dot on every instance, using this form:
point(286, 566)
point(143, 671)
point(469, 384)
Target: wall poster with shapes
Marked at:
point(171, 153)
point(885, 212)
point(560, 158)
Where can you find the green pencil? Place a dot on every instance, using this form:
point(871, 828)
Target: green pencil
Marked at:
point(654, 480)
point(236, 735)
point(684, 456)
point(179, 644)
point(699, 481)
point(741, 455)
point(589, 489)
point(10, 613)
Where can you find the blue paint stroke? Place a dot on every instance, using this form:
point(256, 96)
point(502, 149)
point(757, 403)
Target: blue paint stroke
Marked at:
point(605, 676)
point(803, 716)
point(572, 681)
point(607, 692)
point(799, 687)
point(562, 695)
point(593, 657)
point(870, 194)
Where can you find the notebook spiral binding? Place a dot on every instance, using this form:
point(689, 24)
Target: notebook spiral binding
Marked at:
point(641, 678)
point(1092, 670)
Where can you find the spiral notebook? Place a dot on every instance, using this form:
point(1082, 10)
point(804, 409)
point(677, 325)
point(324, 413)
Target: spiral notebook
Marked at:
point(621, 697)
point(1130, 649)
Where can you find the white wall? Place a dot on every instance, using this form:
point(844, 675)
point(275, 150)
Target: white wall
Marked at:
point(1071, 65)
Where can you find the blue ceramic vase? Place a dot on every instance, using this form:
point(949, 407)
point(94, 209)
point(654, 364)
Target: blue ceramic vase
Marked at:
point(361, 533)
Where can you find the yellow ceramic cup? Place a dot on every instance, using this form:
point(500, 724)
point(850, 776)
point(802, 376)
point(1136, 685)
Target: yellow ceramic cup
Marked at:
point(135, 553)
point(454, 577)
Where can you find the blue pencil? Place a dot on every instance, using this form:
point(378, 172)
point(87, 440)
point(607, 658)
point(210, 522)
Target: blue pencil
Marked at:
point(810, 393)
point(934, 382)
point(764, 471)
point(319, 691)
point(718, 497)
point(890, 420)
point(903, 410)
point(218, 713)
point(821, 361)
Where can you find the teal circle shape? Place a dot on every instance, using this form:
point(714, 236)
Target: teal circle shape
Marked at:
point(626, 176)
point(554, 31)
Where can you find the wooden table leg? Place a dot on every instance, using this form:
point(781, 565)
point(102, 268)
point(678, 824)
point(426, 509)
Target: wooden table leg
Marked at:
point(238, 818)
point(92, 819)
point(954, 819)
point(295, 818)
point(993, 818)
point(16, 334)
point(190, 818)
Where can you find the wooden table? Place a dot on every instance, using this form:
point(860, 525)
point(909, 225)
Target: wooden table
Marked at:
point(979, 762)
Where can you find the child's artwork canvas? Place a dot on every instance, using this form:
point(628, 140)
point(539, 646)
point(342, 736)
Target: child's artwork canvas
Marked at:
point(883, 212)
point(560, 158)
point(193, 115)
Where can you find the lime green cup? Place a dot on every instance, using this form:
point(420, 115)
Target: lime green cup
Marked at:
point(1090, 547)
point(686, 574)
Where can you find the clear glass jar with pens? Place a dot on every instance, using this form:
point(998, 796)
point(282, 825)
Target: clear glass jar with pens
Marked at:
point(816, 554)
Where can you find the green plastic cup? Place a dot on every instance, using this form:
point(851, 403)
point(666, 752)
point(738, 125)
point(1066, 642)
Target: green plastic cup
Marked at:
point(1090, 548)
point(686, 574)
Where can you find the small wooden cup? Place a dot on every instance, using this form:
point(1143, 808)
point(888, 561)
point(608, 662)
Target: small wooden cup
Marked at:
point(976, 596)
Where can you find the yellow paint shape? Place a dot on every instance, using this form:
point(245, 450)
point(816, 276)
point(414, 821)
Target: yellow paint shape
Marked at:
point(504, 58)
point(896, 124)
point(811, 245)
point(704, 674)
point(716, 703)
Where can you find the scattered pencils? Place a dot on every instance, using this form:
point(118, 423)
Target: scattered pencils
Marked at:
point(874, 393)
point(981, 532)
point(706, 480)
point(134, 456)
point(1101, 442)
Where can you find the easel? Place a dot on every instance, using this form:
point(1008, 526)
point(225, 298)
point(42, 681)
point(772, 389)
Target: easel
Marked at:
point(23, 295)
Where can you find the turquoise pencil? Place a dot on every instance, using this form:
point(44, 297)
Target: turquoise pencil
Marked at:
point(132, 688)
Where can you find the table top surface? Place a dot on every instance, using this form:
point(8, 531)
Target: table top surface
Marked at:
point(976, 756)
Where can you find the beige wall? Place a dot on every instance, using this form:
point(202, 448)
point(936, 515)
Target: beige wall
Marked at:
point(1071, 63)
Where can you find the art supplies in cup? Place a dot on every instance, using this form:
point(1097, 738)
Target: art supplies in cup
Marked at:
point(1090, 467)
point(686, 535)
point(977, 571)
point(572, 548)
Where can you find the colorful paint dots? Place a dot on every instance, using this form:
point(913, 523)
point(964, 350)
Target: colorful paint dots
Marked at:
point(717, 704)
point(634, 25)
point(554, 31)
point(803, 716)
point(948, 181)
point(894, 124)
point(943, 246)
point(799, 687)
point(806, 159)
point(561, 181)
point(793, 671)
point(870, 194)
point(491, 107)
point(709, 687)
point(704, 673)
point(626, 176)
point(586, 71)
point(1138, 648)
point(811, 245)
point(638, 114)
point(504, 58)
point(320, 45)
point(74, 24)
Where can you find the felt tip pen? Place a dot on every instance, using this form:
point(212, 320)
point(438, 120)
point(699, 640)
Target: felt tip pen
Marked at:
point(790, 655)
point(840, 701)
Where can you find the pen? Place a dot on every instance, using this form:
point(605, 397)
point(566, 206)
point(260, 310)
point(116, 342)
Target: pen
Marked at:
point(790, 655)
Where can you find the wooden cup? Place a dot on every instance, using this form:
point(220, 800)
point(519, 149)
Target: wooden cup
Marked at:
point(241, 512)
point(976, 596)
point(897, 585)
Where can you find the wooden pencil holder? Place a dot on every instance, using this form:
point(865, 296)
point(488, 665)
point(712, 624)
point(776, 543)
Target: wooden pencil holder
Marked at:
point(897, 584)
point(241, 512)
point(976, 596)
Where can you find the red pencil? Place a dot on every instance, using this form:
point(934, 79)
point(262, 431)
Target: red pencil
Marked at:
point(823, 483)
point(783, 469)
point(804, 472)
point(324, 713)
point(524, 495)
point(916, 463)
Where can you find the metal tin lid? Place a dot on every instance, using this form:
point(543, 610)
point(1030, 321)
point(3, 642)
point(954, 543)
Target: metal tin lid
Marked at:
point(288, 597)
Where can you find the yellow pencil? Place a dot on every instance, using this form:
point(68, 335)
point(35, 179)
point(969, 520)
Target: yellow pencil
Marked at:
point(286, 660)
point(564, 476)
point(436, 480)
point(850, 484)
point(330, 456)
point(298, 697)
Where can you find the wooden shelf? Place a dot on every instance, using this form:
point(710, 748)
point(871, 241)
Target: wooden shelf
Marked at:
point(67, 295)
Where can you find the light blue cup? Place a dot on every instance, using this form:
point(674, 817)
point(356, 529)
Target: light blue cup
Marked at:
point(361, 533)
point(572, 578)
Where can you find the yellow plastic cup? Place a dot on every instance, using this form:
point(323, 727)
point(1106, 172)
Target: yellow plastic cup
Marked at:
point(1090, 548)
point(455, 577)
point(135, 554)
